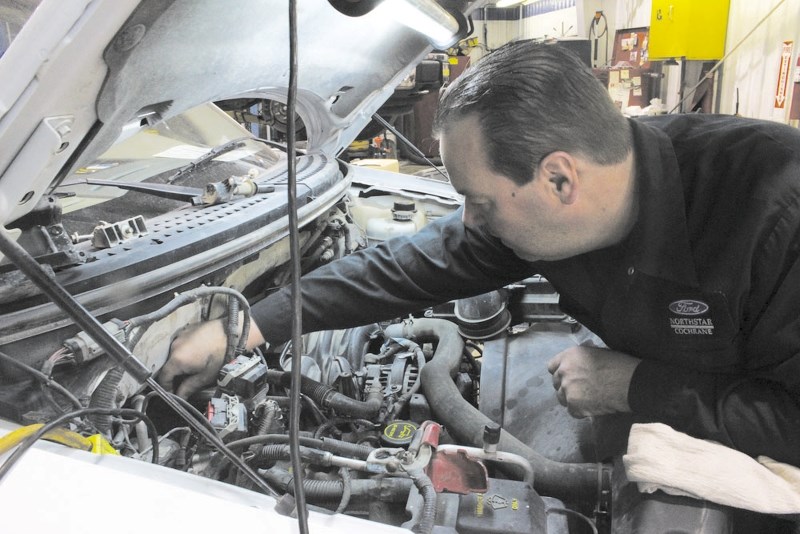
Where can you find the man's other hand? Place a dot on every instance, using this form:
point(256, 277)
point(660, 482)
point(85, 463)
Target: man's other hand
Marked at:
point(592, 381)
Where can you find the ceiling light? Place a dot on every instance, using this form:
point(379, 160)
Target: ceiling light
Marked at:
point(507, 3)
point(442, 27)
point(427, 17)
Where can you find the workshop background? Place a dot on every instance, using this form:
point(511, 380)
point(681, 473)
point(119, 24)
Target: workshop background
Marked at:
point(655, 56)
point(754, 38)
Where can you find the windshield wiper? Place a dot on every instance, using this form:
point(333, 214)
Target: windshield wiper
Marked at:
point(218, 150)
point(229, 146)
point(173, 192)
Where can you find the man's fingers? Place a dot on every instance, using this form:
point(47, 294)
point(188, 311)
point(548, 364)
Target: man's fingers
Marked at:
point(561, 395)
point(191, 384)
point(553, 364)
point(166, 376)
point(556, 380)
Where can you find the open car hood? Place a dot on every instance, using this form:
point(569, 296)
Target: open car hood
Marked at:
point(82, 72)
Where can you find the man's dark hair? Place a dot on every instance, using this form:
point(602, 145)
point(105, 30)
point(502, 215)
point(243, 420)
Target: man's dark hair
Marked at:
point(532, 99)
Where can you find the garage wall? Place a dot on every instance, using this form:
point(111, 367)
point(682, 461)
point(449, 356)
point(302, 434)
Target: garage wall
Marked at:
point(752, 68)
point(535, 20)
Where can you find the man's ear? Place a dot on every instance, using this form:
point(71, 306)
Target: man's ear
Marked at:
point(559, 173)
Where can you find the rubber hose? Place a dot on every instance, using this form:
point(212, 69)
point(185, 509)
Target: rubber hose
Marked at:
point(328, 397)
point(345, 448)
point(566, 481)
point(273, 453)
point(105, 396)
point(386, 489)
point(271, 410)
point(425, 487)
point(335, 446)
point(232, 329)
point(347, 490)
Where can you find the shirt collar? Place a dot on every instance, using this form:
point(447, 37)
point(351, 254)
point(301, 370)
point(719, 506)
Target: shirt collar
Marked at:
point(659, 242)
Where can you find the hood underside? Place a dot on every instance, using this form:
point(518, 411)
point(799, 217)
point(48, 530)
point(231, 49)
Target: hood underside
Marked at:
point(80, 73)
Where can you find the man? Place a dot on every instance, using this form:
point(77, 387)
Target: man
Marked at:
point(675, 239)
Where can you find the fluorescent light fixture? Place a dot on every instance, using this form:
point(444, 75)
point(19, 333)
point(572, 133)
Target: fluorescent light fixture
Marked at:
point(425, 16)
point(508, 3)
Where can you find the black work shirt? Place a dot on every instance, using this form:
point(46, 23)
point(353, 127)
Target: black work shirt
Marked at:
point(705, 289)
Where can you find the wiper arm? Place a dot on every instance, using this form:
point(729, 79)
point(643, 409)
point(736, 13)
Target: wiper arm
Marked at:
point(172, 192)
point(229, 146)
point(233, 144)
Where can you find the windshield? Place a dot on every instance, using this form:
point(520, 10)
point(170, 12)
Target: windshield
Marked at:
point(13, 16)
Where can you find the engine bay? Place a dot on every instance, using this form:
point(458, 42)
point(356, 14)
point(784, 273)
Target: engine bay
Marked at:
point(441, 421)
point(394, 426)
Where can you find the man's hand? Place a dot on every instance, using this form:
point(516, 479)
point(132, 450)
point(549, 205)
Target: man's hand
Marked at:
point(592, 381)
point(197, 355)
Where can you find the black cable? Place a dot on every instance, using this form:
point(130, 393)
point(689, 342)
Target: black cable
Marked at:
point(33, 438)
point(43, 378)
point(574, 513)
point(111, 345)
point(297, 303)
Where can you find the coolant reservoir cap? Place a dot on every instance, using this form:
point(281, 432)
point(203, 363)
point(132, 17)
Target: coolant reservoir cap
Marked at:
point(403, 211)
point(399, 433)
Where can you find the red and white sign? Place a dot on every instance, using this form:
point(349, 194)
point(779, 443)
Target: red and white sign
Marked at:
point(783, 75)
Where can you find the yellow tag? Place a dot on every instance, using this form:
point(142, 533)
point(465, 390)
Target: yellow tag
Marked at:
point(101, 446)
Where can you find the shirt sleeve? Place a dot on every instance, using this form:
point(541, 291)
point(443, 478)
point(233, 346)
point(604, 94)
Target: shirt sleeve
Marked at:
point(442, 262)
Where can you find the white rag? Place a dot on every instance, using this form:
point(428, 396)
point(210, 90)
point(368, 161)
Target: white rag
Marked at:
point(661, 458)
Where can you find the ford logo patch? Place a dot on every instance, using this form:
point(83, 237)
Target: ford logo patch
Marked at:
point(688, 307)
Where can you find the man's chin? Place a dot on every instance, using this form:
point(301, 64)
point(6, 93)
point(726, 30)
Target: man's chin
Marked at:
point(525, 255)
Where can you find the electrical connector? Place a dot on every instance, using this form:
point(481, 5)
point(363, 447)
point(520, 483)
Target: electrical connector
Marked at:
point(84, 348)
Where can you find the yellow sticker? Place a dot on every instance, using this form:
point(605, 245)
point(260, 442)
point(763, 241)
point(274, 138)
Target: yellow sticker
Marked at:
point(399, 431)
point(479, 505)
point(514, 504)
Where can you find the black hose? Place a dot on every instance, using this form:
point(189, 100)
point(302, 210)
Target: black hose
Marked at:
point(327, 397)
point(268, 417)
point(382, 489)
point(105, 396)
point(335, 446)
point(232, 329)
point(566, 481)
point(272, 453)
point(425, 487)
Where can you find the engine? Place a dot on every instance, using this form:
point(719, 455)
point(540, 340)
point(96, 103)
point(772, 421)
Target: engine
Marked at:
point(385, 412)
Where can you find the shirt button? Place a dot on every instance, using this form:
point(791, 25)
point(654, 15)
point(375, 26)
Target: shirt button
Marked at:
point(631, 270)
